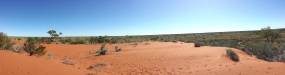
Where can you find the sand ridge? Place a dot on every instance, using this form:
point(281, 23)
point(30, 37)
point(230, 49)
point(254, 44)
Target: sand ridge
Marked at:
point(147, 58)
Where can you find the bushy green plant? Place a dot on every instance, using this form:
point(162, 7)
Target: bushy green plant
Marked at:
point(232, 55)
point(33, 47)
point(5, 41)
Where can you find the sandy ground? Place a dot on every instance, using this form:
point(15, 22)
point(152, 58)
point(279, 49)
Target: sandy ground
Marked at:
point(153, 58)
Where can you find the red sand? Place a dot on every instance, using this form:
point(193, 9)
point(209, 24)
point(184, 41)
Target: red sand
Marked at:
point(16, 64)
point(157, 58)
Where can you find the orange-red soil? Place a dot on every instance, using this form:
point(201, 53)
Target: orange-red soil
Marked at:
point(155, 58)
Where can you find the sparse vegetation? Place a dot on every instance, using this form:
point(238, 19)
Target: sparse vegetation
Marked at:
point(102, 51)
point(33, 47)
point(232, 55)
point(270, 35)
point(5, 41)
point(197, 45)
point(117, 49)
point(78, 41)
point(16, 48)
point(53, 35)
point(264, 44)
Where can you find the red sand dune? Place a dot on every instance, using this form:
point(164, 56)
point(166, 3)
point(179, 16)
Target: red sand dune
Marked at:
point(157, 58)
point(20, 64)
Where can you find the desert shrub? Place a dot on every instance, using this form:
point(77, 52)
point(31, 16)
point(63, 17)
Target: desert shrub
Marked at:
point(93, 40)
point(269, 34)
point(264, 51)
point(102, 51)
point(268, 49)
point(16, 48)
point(65, 41)
point(103, 39)
point(232, 55)
point(78, 41)
point(117, 49)
point(114, 40)
point(219, 42)
point(154, 38)
point(19, 39)
point(5, 41)
point(33, 47)
point(197, 44)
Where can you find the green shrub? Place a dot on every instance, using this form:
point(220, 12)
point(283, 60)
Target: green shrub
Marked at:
point(5, 41)
point(232, 55)
point(33, 47)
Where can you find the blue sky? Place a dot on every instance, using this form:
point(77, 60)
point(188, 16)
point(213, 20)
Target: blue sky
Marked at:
point(137, 17)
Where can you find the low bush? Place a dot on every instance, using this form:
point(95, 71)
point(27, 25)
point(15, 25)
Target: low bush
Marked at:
point(33, 47)
point(5, 41)
point(264, 51)
point(102, 51)
point(197, 44)
point(232, 55)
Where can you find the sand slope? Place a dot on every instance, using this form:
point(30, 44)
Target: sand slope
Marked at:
point(19, 64)
point(154, 58)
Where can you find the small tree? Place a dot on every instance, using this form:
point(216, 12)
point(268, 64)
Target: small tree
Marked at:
point(33, 47)
point(270, 35)
point(54, 35)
